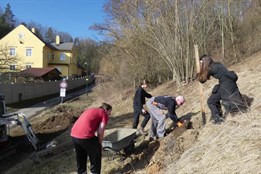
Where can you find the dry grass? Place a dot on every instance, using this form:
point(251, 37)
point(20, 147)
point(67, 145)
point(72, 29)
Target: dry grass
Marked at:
point(232, 147)
point(235, 146)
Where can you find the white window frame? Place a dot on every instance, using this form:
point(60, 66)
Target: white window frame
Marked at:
point(62, 56)
point(12, 51)
point(28, 52)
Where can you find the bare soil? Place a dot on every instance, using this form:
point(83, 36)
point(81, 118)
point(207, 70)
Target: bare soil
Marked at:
point(183, 150)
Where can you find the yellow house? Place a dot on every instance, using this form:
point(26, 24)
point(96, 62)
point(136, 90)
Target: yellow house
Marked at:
point(31, 51)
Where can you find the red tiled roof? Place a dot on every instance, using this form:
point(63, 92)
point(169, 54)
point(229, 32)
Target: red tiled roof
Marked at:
point(38, 72)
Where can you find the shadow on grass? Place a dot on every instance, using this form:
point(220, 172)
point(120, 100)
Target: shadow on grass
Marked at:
point(140, 158)
point(120, 121)
point(21, 148)
point(186, 119)
point(24, 145)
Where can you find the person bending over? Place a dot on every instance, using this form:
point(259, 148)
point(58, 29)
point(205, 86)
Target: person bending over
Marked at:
point(87, 135)
point(156, 107)
point(226, 90)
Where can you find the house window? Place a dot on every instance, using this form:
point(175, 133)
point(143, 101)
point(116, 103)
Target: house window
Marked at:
point(52, 56)
point(62, 57)
point(21, 35)
point(12, 52)
point(12, 67)
point(49, 55)
point(28, 66)
point(28, 52)
point(21, 38)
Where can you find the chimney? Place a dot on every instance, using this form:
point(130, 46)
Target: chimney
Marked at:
point(57, 40)
point(33, 30)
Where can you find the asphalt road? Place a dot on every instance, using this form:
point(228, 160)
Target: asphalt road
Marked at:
point(11, 154)
point(39, 107)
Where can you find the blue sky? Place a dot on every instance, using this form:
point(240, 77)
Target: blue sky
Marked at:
point(71, 16)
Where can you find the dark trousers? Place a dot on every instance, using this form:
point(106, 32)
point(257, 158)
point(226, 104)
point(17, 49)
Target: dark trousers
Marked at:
point(88, 148)
point(137, 117)
point(231, 100)
point(215, 105)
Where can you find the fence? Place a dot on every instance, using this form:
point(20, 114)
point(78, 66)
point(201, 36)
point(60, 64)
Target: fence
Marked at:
point(24, 91)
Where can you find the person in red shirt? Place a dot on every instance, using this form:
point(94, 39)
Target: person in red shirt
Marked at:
point(87, 134)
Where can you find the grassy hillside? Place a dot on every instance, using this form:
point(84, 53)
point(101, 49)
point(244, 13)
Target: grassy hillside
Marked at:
point(232, 147)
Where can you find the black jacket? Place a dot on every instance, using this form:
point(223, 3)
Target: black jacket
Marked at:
point(220, 72)
point(227, 80)
point(169, 103)
point(139, 98)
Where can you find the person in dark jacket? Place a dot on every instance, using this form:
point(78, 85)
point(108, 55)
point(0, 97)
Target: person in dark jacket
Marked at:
point(226, 90)
point(157, 107)
point(138, 102)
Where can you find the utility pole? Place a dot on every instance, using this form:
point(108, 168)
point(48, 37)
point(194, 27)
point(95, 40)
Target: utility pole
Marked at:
point(87, 78)
point(201, 91)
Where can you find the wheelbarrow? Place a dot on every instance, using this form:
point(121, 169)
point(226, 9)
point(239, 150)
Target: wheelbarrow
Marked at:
point(121, 139)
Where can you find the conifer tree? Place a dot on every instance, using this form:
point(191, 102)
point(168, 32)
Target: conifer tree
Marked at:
point(8, 17)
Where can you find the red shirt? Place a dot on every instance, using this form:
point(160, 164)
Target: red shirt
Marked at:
point(88, 123)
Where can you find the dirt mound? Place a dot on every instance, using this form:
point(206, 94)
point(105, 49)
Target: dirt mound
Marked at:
point(172, 147)
point(54, 124)
point(57, 118)
point(53, 120)
point(232, 147)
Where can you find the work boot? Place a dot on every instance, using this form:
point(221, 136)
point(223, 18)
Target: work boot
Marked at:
point(226, 113)
point(218, 120)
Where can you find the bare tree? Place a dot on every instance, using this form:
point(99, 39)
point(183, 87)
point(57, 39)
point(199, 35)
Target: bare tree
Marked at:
point(155, 38)
point(65, 37)
point(88, 54)
point(6, 60)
